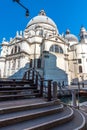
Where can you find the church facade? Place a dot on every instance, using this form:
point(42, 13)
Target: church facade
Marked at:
point(41, 46)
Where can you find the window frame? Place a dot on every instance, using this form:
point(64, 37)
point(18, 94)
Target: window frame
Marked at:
point(56, 49)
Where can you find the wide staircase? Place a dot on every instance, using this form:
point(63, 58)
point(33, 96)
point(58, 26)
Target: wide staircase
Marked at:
point(31, 85)
point(52, 115)
point(21, 91)
point(38, 115)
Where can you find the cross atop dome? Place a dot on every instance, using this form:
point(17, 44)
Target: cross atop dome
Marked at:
point(42, 12)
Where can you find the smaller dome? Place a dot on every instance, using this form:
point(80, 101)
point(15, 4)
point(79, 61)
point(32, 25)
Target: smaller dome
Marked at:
point(70, 37)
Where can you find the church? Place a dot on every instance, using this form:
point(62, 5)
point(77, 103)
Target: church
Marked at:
point(59, 57)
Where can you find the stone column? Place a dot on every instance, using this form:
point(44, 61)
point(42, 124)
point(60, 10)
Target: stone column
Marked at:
point(55, 90)
point(74, 98)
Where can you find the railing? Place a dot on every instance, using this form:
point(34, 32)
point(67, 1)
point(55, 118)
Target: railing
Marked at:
point(43, 85)
point(47, 89)
point(33, 75)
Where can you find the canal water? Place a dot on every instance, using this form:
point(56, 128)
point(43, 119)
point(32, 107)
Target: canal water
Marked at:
point(68, 100)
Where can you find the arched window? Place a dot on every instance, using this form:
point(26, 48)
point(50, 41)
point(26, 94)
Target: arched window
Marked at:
point(80, 69)
point(15, 49)
point(18, 49)
point(56, 48)
point(41, 33)
point(12, 51)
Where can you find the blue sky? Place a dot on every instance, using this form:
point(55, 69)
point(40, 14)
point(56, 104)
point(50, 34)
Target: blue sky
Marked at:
point(70, 14)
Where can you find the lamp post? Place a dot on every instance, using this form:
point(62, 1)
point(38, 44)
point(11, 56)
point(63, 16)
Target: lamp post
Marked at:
point(27, 11)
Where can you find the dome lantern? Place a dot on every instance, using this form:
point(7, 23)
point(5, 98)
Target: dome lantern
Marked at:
point(67, 31)
point(71, 38)
point(42, 12)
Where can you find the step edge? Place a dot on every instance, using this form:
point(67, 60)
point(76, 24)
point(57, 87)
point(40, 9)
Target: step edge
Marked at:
point(81, 127)
point(50, 123)
point(14, 120)
point(30, 106)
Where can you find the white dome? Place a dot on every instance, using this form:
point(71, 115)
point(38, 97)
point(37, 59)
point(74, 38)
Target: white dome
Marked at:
point(42, 19)
point(70, 37)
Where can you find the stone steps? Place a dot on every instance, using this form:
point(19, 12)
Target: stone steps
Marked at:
point(41, 116)
point(12, 118)
point(21, 107)
point(52, 120)
point(18, 92)
point(78, 123)
point(18, 96)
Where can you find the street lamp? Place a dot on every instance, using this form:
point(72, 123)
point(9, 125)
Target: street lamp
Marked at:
point(27, 11)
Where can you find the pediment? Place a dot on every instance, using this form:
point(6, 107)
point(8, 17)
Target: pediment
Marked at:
point(57, 39)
